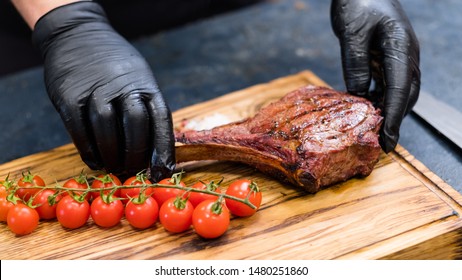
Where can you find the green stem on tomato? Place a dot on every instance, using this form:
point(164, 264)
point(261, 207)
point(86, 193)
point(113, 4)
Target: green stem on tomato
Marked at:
point(217, 206)
point(177, 186)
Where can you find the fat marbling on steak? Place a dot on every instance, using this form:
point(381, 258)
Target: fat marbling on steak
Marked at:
point(312, 137)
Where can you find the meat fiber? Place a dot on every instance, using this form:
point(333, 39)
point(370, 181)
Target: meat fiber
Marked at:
point(313, 137)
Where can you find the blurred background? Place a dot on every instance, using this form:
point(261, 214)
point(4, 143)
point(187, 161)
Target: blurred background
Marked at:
point(132, 20)
point(201, 49)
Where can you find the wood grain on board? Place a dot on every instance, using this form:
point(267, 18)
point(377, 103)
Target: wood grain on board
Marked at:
point(401, 211)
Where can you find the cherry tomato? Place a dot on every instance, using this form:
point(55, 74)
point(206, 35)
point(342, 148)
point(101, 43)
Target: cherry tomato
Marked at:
point(5, 206)
point(176, 214)
point(72, 214)
point(106, 213)
point(22, 219)
point(79, 182)
point(105, 181)
point(139, 179)
point(25, 192)
point(241, 189)
point(163, 194)
point(46, 210)
point(143, 214)
point(210, 219)
point(196, 197)
point(5, 186)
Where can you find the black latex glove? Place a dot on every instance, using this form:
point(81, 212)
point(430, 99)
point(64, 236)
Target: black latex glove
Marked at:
point(377, 41)
point(105, 92)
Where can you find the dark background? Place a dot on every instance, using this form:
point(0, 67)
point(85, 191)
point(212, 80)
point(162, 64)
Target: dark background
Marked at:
point(201, 50)
point(132, 19)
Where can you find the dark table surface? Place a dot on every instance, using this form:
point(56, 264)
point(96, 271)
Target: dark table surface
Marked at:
point(214, 56)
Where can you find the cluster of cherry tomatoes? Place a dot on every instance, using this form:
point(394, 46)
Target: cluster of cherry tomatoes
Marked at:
point(107, 200)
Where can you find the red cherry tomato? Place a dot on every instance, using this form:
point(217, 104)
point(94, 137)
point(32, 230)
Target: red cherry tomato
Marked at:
point(105, 181)
point(163, 194)
point(6, 186)
point(241, 189)
point(46, 210)
point(210, 219)
point(7, 183)
point(79, 182)
point(72, 214)
point(22, 219)
point(106, 213)
point(5, 206)
point(25, 184)
point(196, 197)
point(137, 180)
point(143, 214)
point(175, 214)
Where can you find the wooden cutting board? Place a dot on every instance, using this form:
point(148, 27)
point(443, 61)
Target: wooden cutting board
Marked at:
point(401, 211)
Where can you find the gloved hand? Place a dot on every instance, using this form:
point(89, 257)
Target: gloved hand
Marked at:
point(377, 41)
point(105, 92)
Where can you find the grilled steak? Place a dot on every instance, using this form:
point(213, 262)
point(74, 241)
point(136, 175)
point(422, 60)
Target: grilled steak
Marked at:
point(313, 137)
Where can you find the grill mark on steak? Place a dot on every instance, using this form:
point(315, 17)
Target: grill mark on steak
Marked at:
point(312, 137)
point(295, 128)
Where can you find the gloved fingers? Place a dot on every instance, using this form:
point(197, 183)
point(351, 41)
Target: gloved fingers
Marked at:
point(104, 123)
point(389, 134)
point(354, 35)
point(135, 121)
point(355, 63)
point(400, 64)
point(395, 106)
point(75, 122)
point(163, 141)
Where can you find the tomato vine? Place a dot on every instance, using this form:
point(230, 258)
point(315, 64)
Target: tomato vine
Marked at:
point(79, 198)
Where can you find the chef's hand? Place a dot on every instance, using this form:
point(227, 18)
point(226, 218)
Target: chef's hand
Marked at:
point(377, 41)
point(105, 92)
